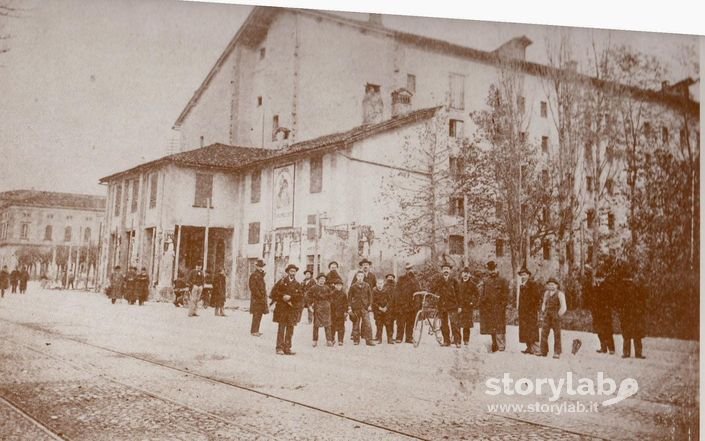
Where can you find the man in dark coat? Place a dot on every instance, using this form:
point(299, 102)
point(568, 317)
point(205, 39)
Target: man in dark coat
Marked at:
point(369, 276)
point(632, 308)
point(288, 296)
point(117, 284)
point(406, 305)
point(217, 299)
point(130, 285)
point(599, 302)
point(493, 306)
point(4, 280)
point(467, 299)
point(24, 278)
point(142, 286)
point(333, 275)
point(360, 300)
point(445, 287)
point(207, 289)
point(308, 283)
point(258, 297)
point(14, 280)
point(319, 298)
point(530, 297)
point(338, 310)
point(382, 297)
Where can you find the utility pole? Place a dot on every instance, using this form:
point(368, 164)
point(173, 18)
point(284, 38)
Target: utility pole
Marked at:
point(205, 239)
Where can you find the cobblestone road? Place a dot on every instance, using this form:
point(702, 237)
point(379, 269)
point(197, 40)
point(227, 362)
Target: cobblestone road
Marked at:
point(89, 370)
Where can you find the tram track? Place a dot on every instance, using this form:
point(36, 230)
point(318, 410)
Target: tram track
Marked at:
point(24, 414)
point(232, 384)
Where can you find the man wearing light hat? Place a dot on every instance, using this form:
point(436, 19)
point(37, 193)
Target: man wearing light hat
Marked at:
point(287, 295)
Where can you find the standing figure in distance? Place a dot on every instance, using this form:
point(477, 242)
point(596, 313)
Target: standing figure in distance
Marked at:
point(552, 308)
point(632, 309)
point(142, 286)
point(319, 298)
point(382, 297)
point(467, 299)
point(445, 288)
point(14, 280)
point(338, 310)
point(217, 299)
point(406, 304)
point(24, 278)
point(493, 307)
point(4, 280)
point(117, 284)
point(258, 297)
point(195, 279)
point(360, 299)
point(130, 285)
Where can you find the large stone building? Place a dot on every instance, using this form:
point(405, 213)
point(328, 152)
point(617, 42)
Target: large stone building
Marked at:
point(325, 107)
point(38, 228)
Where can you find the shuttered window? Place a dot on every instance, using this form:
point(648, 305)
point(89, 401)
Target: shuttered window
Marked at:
point(204, 189)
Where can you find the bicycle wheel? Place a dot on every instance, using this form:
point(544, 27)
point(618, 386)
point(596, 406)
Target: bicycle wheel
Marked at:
point(436, 326)
point(418, 329)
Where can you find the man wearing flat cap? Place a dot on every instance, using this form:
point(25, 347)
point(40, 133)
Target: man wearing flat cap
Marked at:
point(493, 307)
point(258, 297)
point(287, 295)
point(529, 298)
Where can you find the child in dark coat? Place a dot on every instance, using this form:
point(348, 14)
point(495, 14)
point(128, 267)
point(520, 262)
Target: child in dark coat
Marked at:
point(338, 310)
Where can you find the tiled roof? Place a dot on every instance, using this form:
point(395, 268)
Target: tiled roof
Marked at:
point(34, 198)
point(233, 158)
point(220, 156)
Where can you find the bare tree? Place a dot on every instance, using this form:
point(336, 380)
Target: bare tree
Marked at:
point(504, 171)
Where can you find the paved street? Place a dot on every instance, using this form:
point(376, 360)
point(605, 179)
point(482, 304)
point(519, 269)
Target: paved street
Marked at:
point(76, 367)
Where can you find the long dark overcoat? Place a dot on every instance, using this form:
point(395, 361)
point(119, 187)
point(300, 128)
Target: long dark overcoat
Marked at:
point(258, 293)
point(319, 296)
point(406, 287)
point(445, 289)
point(467, 300)
point(218, 295)
point(142, 286)
point(360, 296)
point(632, 308)
point(287, 312)
point(599, 302)
point(117, 285)
point(493, 305)
point(4, 279)
point(530, 297)
point(338, 306)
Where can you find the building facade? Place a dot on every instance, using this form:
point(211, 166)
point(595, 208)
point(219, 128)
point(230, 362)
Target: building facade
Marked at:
point(50, 232)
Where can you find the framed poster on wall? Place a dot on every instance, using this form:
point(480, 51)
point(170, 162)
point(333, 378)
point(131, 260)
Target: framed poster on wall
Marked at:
point(283, 197)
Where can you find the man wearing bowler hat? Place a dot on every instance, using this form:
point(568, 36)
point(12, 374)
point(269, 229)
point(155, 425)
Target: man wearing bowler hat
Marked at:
point(493, 307)
point(529, 298)
point(258, 297)
point(445, 288)
point(288, 296)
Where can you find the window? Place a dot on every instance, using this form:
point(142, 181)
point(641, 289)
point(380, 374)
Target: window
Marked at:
point(255, 186)
point(456, 206)
point(544, 109)
point(204, 190)
point(546, 212)
point(610, 221)
point(275, 126)
point(456, 167)
point(69, 217)
point(47, 232)
point(316, 176)
point(24, 231)
point(456, 244)
point(544, 144)
point(3, 231)
point(50, 216)
point(67, 234)
point(499, 248)
point(589, 183)
point(118, 198)
point(455, 128)
point(647, 129)
point(589, 253)
point(411, 83)
point(135, 194)
point(153, 181)
point(590, 218)
point(457, 91)
point(253, 233)
point(569, 252)
point(87, 235)
point(259, 101)
point(521, 104)
point(311, 229)
point(498, 209)
point(609, 186)
point(262, 53)
point(309, 264)
point(545, 179)
point(546, 248)
point(664, 135)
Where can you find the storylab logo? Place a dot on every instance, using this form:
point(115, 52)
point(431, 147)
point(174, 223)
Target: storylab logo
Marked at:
point(567, 387)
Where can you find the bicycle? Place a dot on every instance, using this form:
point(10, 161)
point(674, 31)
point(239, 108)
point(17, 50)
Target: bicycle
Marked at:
point(428, 315)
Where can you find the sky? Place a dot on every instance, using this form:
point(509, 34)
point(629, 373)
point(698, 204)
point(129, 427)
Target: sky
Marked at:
point(91, 87)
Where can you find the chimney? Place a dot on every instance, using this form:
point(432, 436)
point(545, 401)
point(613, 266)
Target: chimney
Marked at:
point(514, 49)
point(375, 20)
point(664, 86)
point(401, 102)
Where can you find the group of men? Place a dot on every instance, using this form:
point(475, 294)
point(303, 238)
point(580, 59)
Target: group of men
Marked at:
point(133, 286)
point(16, 278)
point(199, 285)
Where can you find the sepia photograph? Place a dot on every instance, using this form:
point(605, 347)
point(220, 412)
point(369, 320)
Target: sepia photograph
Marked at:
point(275, 222)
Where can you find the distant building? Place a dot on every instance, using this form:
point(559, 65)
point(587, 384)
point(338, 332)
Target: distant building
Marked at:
point(38, 228)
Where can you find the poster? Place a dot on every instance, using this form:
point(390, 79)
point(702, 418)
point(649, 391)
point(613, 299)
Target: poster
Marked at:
point(283, 197)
